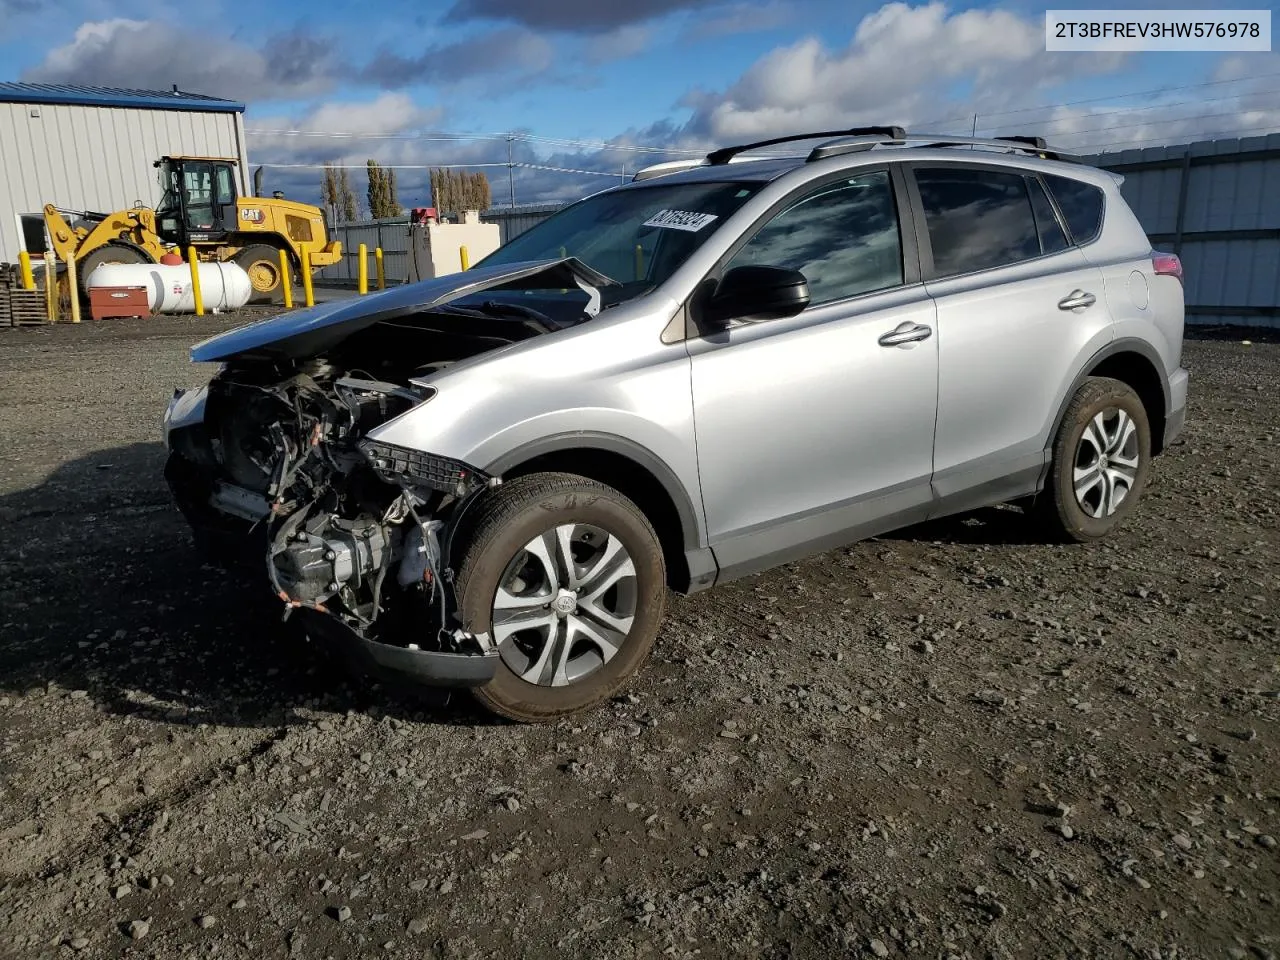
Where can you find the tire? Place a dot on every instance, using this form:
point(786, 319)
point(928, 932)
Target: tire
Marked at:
point(262, 262)
point(107, 253)
point(1100, 413)
point(600, 521)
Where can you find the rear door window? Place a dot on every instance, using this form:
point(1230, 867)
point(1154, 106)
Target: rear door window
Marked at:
point(976, 219)
point(1081, 206)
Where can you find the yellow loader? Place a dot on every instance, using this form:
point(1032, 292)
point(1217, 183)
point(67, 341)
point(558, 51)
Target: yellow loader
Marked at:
point(200, 208)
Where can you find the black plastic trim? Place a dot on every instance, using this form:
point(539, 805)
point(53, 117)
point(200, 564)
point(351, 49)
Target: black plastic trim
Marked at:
point(1124, 345)
point(419, 667)
point(702, 567)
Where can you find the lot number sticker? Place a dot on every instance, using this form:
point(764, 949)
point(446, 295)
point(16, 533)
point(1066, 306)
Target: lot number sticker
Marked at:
point(680, 220)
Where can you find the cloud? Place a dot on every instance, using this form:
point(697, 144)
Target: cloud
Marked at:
point(744, 18)
point(572, 16)
point(618, 43)
point(153, 54)
point(996, 54)
point(504, 51)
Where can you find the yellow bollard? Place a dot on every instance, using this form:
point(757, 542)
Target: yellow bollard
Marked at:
point(73, 289)
point(306, 279)
point(286, 280)
point(639, 262)
point(462, 255)
point(362, 272)
point(195, 280)
point(28, 279)
point(51, 285)
point(378, 268)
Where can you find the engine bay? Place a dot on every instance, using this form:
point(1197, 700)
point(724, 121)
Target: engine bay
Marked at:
point(354, 530)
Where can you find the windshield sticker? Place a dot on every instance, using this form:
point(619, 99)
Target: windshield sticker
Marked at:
point(680, 220)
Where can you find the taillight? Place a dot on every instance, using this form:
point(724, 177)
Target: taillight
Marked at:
point(1167, 265)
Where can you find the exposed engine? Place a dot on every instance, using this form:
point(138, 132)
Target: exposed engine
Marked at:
point(357, 533)
point(353, 529)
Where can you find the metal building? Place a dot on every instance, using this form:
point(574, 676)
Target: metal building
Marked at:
point(92, 148)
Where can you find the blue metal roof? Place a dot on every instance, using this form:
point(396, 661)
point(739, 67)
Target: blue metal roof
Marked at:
point(74, 93)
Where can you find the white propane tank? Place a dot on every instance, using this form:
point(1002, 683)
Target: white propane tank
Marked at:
point(223, 286)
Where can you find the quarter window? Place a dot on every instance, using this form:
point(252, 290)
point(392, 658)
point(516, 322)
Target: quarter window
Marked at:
point(977, 219)
point(1052, 239)
point(1081, 206)
point(843, 237)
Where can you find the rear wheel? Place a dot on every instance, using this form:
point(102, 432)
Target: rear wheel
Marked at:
point(262, 263)
point(107, 253)
point(567, 577)
point(1101, 460)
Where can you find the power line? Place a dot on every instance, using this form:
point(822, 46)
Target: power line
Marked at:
point(1098, 147)
point(1109, 97)
point(433, 166)
point(1142, 124)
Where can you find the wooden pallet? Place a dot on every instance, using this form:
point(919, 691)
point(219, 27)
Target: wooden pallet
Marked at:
point(18, 307)
point(27, 308)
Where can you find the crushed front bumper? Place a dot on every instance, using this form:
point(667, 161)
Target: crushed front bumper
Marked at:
point(386, 662)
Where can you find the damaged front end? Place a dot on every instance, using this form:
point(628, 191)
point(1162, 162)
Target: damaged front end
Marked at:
point(355, 533)
point(273, 456)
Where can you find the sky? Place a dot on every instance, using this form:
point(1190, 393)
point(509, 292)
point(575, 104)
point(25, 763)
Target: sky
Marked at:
point(602, 87)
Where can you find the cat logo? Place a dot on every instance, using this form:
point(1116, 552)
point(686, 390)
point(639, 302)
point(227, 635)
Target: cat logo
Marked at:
point(253, 215)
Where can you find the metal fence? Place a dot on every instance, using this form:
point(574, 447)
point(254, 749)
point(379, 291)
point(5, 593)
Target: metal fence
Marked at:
point(392, 235)
point(1215, 203)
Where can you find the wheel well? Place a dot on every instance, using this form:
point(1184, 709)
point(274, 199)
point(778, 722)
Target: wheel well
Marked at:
point(635, 483)
point(1139, 373)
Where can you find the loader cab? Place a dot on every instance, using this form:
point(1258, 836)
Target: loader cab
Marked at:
point(199, 201)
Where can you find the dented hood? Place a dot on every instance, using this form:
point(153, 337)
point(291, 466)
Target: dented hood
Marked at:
point(307, 332)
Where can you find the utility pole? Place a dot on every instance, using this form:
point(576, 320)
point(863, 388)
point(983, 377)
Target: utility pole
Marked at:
point(511, 170)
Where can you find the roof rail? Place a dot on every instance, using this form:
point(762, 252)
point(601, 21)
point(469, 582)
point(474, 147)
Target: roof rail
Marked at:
point(725, 154)
point(858, 140)
point(1010, 144)
point(670, 166)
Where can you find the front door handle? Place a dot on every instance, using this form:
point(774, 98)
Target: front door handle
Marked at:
point(1077, 298)
point(906, 333)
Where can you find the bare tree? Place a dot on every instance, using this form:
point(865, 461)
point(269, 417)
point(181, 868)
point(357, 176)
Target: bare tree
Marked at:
point(453, 191)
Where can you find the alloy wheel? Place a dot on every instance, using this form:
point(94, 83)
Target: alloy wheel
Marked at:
point(564, 604)
point(1106, 462)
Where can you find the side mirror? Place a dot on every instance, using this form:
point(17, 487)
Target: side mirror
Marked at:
point(757, 292)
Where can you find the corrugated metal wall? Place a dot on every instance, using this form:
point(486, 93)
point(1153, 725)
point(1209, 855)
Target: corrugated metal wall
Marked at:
point(1216, 203)
point(391, 234)
point(96, 158)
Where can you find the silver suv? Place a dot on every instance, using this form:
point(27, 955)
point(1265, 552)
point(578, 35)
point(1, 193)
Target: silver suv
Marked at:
point(490, 479)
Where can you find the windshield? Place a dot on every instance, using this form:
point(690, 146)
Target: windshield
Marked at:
point(637, 236)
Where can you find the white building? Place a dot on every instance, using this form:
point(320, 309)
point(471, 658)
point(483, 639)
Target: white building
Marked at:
point(93, 148)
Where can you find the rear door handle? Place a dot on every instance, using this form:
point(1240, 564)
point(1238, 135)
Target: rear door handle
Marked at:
point(1077, 298)
point(906, 333)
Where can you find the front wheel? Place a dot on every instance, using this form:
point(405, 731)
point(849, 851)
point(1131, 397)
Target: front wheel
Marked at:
point(1101, 461)
point(262, 263)
point(567, 577)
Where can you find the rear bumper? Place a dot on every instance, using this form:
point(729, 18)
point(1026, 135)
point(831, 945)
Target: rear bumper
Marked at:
point(1175, 419)
point(400, 664)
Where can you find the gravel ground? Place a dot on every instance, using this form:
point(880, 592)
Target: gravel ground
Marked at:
point(949, 742)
